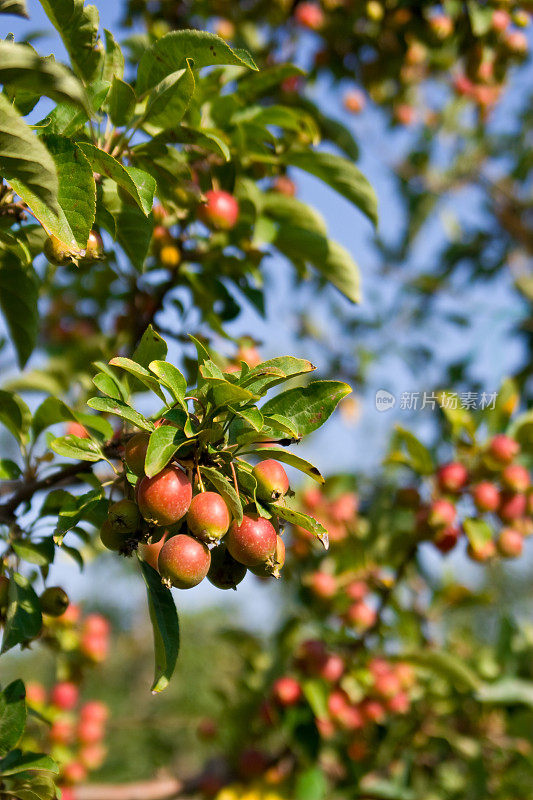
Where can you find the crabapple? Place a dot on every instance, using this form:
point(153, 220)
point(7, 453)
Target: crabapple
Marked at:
point(35, 694)
point(482, 551)
point(446, 538)
point(399, 703)
point(354, 101)
point(503, 449)
point(442, 513)
point(272, 566)
point(452, 477)
point(77, 429)
point(253, 541)
point(333, 668)
point(57, 252)
point(387, 684)
point(516, 478)
point(90, 731)
point(225, 572)
point(441, 25)
point(309, 15)
point(65, 695)
point(96, 625)
point(73, 772)
point(221, 210)
point(312, 655)
point(54, 601)
point(150, 552)
point(94, 711)
point(62, 730)
point(361, 615)
point(404, 114)
point(500, 20)
point(373, 711)
point(67, 793)
point(326, 727)
point(208, 517)
point(323, 585)
point(183, 561)
point(272, 480)
point(94, 249)
point(249, 354)
point(71, 615)
point(135, 452)
point(510, 543)
point(344, 507)
point(357, 590)
point(512, 506)
point(486, 496)
point(112, 538)
point(224, 28)
point(165, 498)
point(170, 256)
point(94, 647)
point(284, 185)
point(92, 756)
point(286, 691)
point(405, 675)
point(516, 41)
point(337, 703)
point(312, 498)
point(124, 516)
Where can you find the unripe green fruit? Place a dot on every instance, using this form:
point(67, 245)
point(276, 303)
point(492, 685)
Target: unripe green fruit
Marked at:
point(135, 452)
point(208, 517)
point(183, 561)
point(57, 253)
point(94, 249)
point(225, 572)
point(165, 498)
point(272, 480)
point(253, 541)
point(112, 538)
point(273, 565)
point(124, 516)
point(4, 591)
point(54, 601)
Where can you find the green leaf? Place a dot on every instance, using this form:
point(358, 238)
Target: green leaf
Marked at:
point(171, 377)
point(280, 454)
point(111, 406)
point(14, 415)
point(225, 489)
point(24, 160)
point(121, 102)
point(140, 373)
point(251, 415)
point(169, 100)
point(506, 691)
point(19, 292)
point(207, 139)
point(311, 784)
point(225, 393)
point(340, 174)
point(66, 119)
point(17, 761)
point(21, 67)
point(303, 520)
point(478, 532)
point(113, 66)
point(32, 786)
point(137, 183)
point(164, 442)
point(308, 407)
point(480, 18)
point(52, 410)
point(332, 260)
point(36, 552)
point(152, 347)
point(77, 25)
point(132, 228)
point(73, 447)
point(107, 385)
point(255, 84)
point(165, 625)
point(173, 50)
point(417, 456)
point(12, 715)
point(17, 7)
point(23, 619)
point(9, 470)
point(291, 211)
point(447, 664)
point(274, 371)
point(316, 695)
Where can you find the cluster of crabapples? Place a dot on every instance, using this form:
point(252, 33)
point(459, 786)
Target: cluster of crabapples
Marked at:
point(213, 545)
point(494, 485)
point(75, 732)
point(337, 514)
point(357, 698)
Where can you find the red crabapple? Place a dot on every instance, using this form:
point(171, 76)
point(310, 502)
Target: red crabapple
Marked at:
point(286, 691)
point(323, 585)
point(512, 506)
point(65, 695)
point(452, 477)
point(503, 449)
point(273, 565)
point(92, 756)
point(500, 19)
point(73, 772)
point(510, 543)
point(344, 507)
point(486, 496)
point(183, 561)
point(361, 615)
point(442, 513)
point(96, 625)
point(94, 711)
point(165, 498)
point(446, 539)
point(35, 694)
point(62, 731)
point(253, 541)
point(309, 15)
point(373, 711)
point(284, 185)
point(221, 210)
point(272, 480)
point(354, 101)
point(399, 703)
point(516, 478)
point(312, 498)
point(208, 517)
point(135, 452)
point(333, 668)
point(357, 590)
point(150, 552)
point(77, 429)
point(482, 551)
point(90, 731)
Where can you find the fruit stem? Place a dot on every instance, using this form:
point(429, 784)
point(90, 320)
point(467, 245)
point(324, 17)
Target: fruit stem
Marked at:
point(234, 478)
point(200, 481)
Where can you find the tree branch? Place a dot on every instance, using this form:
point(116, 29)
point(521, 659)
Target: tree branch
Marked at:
point(157, 789)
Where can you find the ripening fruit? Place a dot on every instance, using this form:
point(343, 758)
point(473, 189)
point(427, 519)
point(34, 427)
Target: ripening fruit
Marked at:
point(90, 731)
point(135, 452)
point(441, 25)
point(67, 793)
point(312, 498)
point(503, 449)
point(225, 572)
point(253, 541)
point(208, 517)
point(486, 496)
point(441, 513)
point(165, 498)
point(481, 552)
point(512, 506)
point(272, 480)
point(510, 543)
point(452, 477)
point(344, 507)
point(113, 538)
point(150, 552)
point(92, 756)
point(94, 711)
point(249, 354)
point(309, 15)
point(361, 615)
point(73, 772)
point(35, 694)
point(62, 730)
point(4, 591)
point(333, 669)
point(284, 185)
point(273, 565)
point(221, 210)
point(57, 253)
point(323, 585)
point(446, 539)
point(64, 695)
point(500, 20)
point(77, 429)
point(357, 590)
point(516, 42)
point(94, 249)
point(96, 625)
point(404, 114)
point(71, 615)
point(354, 101)
point(54, 601)
point(94, 647)
point(373, 711)
point(516, 478)
point(287, 691)
point(124, 516)
point(399, 703)
point(183, 561)
point(170, 256)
